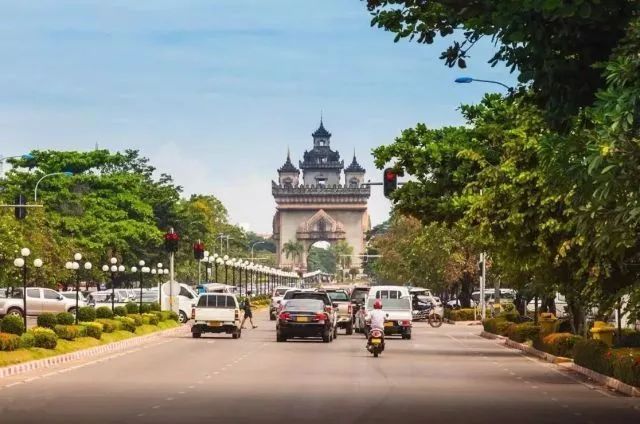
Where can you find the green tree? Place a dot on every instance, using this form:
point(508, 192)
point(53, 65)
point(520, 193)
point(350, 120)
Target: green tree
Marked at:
point(550, 42)
point(320, 259)
point(293, 250)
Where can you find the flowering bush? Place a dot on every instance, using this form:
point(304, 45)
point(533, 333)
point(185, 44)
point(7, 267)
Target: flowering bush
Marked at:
point(9, 341)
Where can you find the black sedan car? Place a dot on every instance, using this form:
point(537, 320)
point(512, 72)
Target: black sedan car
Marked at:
point(304, 318)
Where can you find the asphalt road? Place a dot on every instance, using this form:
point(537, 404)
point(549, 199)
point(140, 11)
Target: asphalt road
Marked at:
point(445, 375)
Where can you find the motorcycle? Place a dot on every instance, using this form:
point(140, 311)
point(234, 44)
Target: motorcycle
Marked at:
point(375, 342)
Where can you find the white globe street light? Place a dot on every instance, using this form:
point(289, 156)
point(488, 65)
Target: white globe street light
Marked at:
point(68, 265)
point(105, 268)
point(121, 268)
point(75, 265)
point(37, 263)
point(88, 266)
point(114, 268)
point(25, 252)
point(134, 269)
point(18, 262)
point(141, 263)
point(113, 261)
point(77, 256)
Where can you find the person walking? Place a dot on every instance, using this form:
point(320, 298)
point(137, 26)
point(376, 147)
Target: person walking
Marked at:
point(247, 311)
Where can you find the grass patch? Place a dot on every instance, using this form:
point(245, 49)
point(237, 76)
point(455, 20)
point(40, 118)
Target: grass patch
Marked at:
point(66, 346)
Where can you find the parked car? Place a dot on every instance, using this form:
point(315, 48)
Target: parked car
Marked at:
point(329, 307)
point(276, 298)
point(39, 301)
point(216, 313)
point(344, 309)
point(103, 298)
point(304, 317)
point(82, 299)
point(562, 308)
point(186, 298)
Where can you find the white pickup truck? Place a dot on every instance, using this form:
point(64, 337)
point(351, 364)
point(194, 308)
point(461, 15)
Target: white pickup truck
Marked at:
point(216, 313)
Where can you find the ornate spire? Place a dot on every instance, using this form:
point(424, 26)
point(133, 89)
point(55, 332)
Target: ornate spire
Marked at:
point(288, 165)
point(355, 166)
point(321, 132)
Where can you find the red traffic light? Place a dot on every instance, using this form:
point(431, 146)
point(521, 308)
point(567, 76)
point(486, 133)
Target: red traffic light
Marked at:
point(389, 175)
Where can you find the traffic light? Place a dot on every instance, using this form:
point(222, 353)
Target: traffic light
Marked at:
point(390, 181)
point(198, 250)
point(21, 212)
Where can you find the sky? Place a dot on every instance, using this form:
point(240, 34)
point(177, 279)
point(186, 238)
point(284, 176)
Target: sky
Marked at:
point(214, 92)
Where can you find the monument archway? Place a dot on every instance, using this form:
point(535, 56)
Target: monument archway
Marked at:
point(319, 206)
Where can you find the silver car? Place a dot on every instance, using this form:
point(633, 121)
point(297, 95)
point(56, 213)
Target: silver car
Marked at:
point(39, 301)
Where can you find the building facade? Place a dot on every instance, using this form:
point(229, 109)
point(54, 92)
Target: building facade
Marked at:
point(328, 202)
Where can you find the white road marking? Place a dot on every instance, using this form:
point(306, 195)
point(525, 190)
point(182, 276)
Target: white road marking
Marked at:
point(156, 406)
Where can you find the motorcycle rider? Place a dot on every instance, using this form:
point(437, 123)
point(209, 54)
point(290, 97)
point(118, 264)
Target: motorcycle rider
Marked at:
point(377, 316)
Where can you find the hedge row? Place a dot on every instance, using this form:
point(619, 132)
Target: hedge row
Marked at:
point(93, 322)
point(597, 356)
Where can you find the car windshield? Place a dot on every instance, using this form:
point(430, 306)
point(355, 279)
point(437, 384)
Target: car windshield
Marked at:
point(338, 296)
point(280, 292)
point(401, 304)
point(307, 305)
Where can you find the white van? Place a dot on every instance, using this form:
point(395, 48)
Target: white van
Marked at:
point(186, 298)
point(398, 308)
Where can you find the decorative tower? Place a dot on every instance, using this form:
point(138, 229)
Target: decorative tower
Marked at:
point(289, 175)
point(321, 166)
point(354, 173)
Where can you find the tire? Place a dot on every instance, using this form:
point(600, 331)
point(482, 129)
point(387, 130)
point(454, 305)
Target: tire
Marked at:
point(72, 311)
point(182, 316)
point(375, 354)
point(17, 312)
point(435, 320)
point(235, 335)
point(349, 330)
point(326, 336)
point(196, 335)
point(280, 338)
point(335, 332)
point(272, 317)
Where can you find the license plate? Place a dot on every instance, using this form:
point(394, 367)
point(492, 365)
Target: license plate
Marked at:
point(388, 324)
point(214, 323)
point(302, 319)
point(376, 341)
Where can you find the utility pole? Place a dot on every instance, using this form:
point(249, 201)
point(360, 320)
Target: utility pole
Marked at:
point(483, 268)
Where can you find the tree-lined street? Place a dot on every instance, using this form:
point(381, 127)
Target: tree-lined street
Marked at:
point(448, 374)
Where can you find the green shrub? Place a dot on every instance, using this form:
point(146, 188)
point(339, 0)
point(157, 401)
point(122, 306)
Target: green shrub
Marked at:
point(145, 308)
point(491, 324)
point(161, 316)
point(151, 319)
point(9, 341)
point(173, 316)
point(93, 329)
point(120, 311)
point(502, 327)
point(512, 315)
point(522, 332)
point(137, 318)
point(104, 312)
point(593, 354)
point(559, 344)
point(630, 338)
point(47, 320)
point(109, 325)
point(65, 318)
point(155, 306)
point(465, 314)
point(45, 338)
point(626, 368)
point(87, 314)
point(12, 324)
point(127, 324)
point(509, 307)
point(27, 340)
point(132, 308)
point(68, 332)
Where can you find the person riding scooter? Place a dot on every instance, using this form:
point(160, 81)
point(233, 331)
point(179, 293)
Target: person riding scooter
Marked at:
point(377, 316)
point(375, 338)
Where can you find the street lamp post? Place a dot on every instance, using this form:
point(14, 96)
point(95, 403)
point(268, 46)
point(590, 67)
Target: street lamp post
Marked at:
point(22, 263)
point(143, 270)
point(254, 245)
point(26, 156)
point(75, 266)
point(468, 80)
point(35, 191)
point(113, 268)
point(226, 268)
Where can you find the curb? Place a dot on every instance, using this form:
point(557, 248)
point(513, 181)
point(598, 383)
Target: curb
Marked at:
point(37, 364)
point(468, 323)
point(567, 363)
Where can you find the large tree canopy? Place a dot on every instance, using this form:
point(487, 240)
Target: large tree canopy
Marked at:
point(555, 45)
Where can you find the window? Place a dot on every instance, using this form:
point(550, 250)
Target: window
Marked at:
point(35, 293)
point(388, 294)
point(339, 296)
point(353, 183)
point(186, 293)
point(216, 301)
point(50, 294)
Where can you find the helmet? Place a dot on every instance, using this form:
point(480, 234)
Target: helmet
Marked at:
point(377, 304)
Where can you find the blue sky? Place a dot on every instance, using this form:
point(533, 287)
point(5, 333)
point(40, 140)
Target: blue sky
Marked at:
point(214, 91)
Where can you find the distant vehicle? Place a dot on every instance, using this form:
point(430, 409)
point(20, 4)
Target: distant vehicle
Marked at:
point(186, 298)
point(276, 298)
point(306, 317)
point(358, 298)
point(39, 301)
point(81, 297)
point(215, 288)
point(562, 308)
point(344, 309)
point(103, 298)
point(216, 313)
point(329, 307)
point(396, 302)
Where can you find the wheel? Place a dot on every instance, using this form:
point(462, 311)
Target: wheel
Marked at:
point(406, 336)
point(280, 338)
point(326, 336)
point(195, 335)
point(349, 329)
point(435, 320)
point(16, 312)
point(235, 335)
point(375, 354)
point(272, 317)
point(335, 332)
point(182, 316)
point(72, 311)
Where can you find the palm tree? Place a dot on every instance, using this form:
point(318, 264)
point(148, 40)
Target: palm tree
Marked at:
point(293, 249)
point(342, 252)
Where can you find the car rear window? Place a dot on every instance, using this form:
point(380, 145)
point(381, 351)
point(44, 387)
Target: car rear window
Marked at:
point(308, 305)
point(359, 294)
point(392, 304)
point(216, 301)
point(280, 292)
point(309, 295)
point(338, 296)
